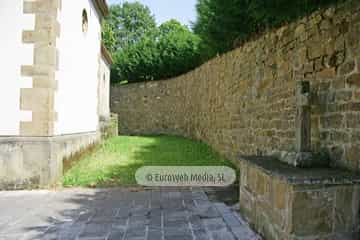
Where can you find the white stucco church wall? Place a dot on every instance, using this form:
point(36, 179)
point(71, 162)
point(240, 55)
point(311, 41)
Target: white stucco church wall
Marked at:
point(76, 99)
point(13, 55)
point(104, 89)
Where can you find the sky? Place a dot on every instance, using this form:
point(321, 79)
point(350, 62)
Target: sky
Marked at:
point(181, 10)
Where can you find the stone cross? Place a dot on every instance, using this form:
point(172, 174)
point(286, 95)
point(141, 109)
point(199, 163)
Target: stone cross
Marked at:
point(303, 117)
point(303, 157)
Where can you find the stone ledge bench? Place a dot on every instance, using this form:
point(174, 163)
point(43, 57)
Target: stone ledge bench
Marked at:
point(284, 202)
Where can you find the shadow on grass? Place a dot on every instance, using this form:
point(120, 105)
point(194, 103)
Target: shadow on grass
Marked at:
point(118, 159)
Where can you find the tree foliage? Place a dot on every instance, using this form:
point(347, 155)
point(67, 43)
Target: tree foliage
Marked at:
point(142, 51)
point(170, 50)
point(221, 23)
point(108, 36)
point(130, 22)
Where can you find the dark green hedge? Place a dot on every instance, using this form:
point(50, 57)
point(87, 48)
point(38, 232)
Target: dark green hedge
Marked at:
point(223, 23)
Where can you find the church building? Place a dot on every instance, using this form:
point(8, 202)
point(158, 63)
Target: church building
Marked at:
point(54, 87)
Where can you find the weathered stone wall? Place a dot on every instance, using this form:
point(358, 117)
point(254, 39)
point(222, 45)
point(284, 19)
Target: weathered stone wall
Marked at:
point(244, 101)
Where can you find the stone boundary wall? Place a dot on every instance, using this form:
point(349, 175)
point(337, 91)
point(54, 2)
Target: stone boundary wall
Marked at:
point(244, 101)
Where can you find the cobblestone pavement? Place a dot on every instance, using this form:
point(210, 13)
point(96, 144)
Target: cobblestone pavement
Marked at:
point(121, 214)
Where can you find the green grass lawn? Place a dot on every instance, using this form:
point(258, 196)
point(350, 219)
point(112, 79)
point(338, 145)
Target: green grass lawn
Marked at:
point(115, 162)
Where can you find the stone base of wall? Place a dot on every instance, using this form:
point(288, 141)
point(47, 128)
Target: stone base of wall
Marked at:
point(31, 162)
point(283, 202)
point(109, 127)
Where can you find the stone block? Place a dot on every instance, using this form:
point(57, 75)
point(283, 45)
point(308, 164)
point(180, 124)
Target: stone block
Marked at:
point(347, 68)
point(332, 121)
point(327, 73)
point(353, 80)
point(279, 194)
point(36, 128)
point(38, 70)
point(352, 156)
point(269, 222)
point(37, 99)
point(45, 55)
point(41, 6)
point(353, 120)
point(262, 187)
point(343, 96)
point(304, 203)
point(43, 82)
point(346, 209)
point(312, 212)
point(315, 51)
point(46, 22)
point(247, 205)
point(46, 36)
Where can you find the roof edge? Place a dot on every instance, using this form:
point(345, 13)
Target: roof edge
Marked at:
point(102, 7)
point(105, 53)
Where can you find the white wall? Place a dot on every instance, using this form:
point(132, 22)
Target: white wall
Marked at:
point(104, 89)
point(76, 100)
point(13, 54)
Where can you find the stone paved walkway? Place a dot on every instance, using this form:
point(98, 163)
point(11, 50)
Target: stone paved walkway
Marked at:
point(121, 214)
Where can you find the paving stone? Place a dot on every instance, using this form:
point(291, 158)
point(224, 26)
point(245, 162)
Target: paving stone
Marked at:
point(222, 235)
point(155, 222)
point(134, 238)
point(207, 212)
point(222, 208)
point(196, 223)
point(85, 216)
point(180, 237)
point(214, 224)
point(177, 223)
point(201, 234)
point(155, 212)
point(135, 231)
point(95, 230)
point(231, 220)
point(120, 223)
point(118, 214)
point(175, 231)
point(176, 215)
point(199, 195)
point(138, 221)
point(154, 235)
point(70, 231)
point(116, 234)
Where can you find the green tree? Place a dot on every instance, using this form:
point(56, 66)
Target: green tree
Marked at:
point(108, 37)
point(179, 49)
point(220, 22)
point(130, 22)
point(137, 62)
point(168, 51)
point(223, 23)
